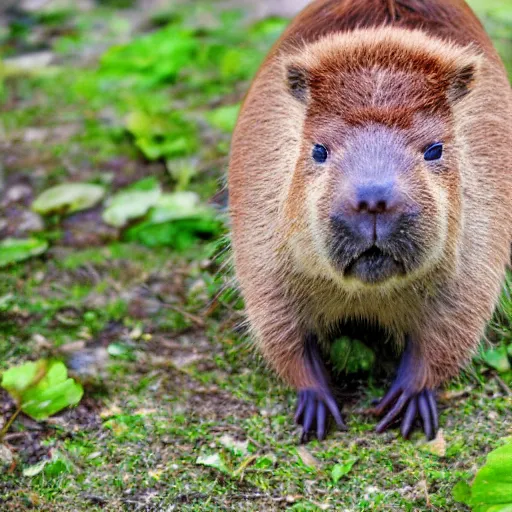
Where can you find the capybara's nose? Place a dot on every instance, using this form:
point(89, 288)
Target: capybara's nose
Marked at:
point(375, 198)
point(371, 213)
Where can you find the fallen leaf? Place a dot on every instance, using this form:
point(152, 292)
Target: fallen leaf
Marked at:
point(35, 469)
point(68, 198)
point(238, 447)
point(497, 358)
point(132, 203)
point(265, 461)
point(340, 470)
point(213, 461)
point(13, 250)
point(145, 412)
point(437, 446)
point(307, 458)
point(42, 388)
point(58, 463)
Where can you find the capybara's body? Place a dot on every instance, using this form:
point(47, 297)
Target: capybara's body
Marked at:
point(371, 181)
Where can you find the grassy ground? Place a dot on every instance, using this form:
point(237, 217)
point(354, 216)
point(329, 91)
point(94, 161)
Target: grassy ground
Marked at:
point(178, 412)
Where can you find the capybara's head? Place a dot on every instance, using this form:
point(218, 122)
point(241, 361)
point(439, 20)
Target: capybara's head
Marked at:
point(378, 180)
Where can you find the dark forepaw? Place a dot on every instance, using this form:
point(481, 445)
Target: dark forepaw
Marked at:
point(409, 405)
point(316, 404)
point(313, 411)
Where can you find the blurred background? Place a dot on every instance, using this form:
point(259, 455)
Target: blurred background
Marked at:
point(115, 123)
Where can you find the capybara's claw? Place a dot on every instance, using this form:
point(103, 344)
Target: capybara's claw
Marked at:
point(410, 406)
point(404, 400)
point(313, 408)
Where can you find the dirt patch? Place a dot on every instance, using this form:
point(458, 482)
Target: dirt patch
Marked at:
point(215, 404)
point(87, 229)
point(26, 437)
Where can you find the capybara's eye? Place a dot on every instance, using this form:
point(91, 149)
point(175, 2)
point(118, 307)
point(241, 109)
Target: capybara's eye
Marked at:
point(434, 152)
point(320, 153)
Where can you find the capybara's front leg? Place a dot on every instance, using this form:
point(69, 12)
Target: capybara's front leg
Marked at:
point(316, 402)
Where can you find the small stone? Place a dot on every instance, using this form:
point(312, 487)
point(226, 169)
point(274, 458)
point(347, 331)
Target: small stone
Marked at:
point(30, 222)
point(30, 61)
point(41, 341)
point(35, 134)
point(17, 193)
point(6, 456)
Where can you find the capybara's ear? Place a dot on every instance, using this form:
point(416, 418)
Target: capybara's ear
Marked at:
point(298, 82)
point(462, 80)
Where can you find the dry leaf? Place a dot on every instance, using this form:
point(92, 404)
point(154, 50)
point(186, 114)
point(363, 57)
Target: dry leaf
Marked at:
point(307, 458)
point(437, 446)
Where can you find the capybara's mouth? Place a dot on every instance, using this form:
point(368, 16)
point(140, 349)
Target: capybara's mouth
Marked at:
point(374, 266)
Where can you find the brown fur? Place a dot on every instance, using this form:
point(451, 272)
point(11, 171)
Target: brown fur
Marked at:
point(447, 19)
point(416, 70)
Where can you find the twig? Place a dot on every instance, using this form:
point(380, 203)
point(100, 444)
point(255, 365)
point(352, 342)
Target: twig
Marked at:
point(503, 385)
point(7, 426)
point(15, 435)
point(193, 318)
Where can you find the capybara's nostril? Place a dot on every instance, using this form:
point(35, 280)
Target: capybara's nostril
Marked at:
point(381, 206)
point(363, 206)
point(375, 198)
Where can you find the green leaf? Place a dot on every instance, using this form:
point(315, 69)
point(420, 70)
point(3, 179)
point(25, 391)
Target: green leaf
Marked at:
point(340, 470)
point(35, 469)
point(180, 205)
point(265, 461)
point(224, 118)
point(177, 220)
point(351, 356)
point(42, 388)
point(131, 203)
point(121, 351)
point(497, 358)
point(68, 198)
point(182, 171)
point(179, 235)
point(492, 486)
point(491, 490)
point(213, 461)
point(153, 59)
point(163, 135)
point(58, 464)
point(18, 379)
point(13, 250)
point(462, 493)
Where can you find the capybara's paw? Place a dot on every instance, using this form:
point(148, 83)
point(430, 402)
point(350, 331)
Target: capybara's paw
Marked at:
point(409, 405)
point(313, 410)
